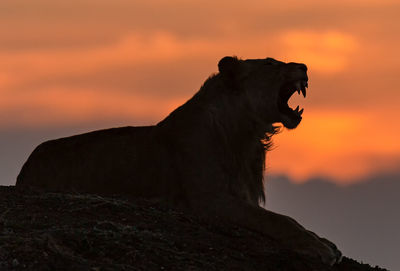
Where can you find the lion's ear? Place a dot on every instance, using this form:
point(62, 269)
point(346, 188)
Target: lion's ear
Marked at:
point(229, 66)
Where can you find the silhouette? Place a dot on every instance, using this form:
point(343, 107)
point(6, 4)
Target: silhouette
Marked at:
point(206, 156)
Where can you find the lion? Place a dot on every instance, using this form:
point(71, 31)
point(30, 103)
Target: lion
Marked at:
point(207, 156)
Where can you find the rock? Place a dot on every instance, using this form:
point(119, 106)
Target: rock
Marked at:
point(88, 232)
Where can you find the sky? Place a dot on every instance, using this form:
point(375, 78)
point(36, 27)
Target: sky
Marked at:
point(362, 219)
point(74, 66)
point(69, 67)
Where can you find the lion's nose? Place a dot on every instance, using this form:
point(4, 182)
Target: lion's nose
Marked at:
point(303, 67)
point(300, 66)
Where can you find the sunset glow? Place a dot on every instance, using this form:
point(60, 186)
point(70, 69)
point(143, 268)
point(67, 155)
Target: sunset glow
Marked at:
point(89, 61)
point(344, 146)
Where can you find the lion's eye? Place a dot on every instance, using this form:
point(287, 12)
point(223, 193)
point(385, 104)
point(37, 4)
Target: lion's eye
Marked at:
point(271, 61)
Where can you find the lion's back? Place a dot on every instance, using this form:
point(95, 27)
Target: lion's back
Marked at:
point(99, 161)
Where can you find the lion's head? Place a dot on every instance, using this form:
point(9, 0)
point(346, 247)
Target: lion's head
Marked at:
point(268, 85)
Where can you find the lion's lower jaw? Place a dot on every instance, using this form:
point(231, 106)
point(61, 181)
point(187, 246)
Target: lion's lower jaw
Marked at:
point(290, 123)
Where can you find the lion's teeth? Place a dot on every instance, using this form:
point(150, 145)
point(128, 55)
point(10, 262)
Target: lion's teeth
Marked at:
point(303, 90)
point(296, 111)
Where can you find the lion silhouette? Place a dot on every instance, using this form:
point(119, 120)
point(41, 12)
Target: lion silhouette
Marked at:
point(208, 155)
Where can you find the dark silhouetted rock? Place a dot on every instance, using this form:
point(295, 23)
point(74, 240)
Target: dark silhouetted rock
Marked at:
point(51, 231)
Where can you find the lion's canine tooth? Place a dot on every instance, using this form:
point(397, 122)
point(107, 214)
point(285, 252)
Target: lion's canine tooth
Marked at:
point(303, 90)
point(301, 111)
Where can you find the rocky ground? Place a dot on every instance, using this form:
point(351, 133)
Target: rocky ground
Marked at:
point(87, 232)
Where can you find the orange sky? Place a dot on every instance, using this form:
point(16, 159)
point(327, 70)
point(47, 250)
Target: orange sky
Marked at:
point(65, 63)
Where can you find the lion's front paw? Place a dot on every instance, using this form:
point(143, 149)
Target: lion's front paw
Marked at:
point(338, 255)
point(311, 245)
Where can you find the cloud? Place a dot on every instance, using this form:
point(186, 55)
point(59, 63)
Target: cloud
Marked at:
point(31, 67)
point(343, 145)
point(325, 52)
point(60, 107)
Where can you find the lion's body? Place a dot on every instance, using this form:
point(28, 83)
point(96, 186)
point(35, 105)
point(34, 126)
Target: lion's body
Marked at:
point(207, 154)
point(197, 150)
point(97, 162)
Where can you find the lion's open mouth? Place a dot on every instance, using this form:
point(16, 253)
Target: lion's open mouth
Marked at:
point(284, 95)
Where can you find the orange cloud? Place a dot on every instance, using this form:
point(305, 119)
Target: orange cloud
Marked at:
point(343, 145)
point(59, 107)
point(326, 51)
